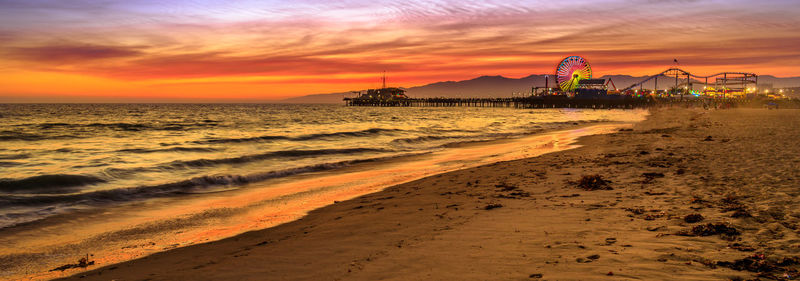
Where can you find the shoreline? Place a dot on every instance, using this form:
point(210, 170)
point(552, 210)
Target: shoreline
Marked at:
point(137, 244)
point(527, 219)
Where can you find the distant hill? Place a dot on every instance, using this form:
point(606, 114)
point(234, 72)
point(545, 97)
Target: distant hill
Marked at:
point(484, 86)
point(318, 98)
point(499, 86)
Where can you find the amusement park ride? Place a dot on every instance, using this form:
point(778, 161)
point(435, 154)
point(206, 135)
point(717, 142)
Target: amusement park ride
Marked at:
point(574, 78)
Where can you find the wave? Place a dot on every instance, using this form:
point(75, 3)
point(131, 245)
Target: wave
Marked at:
point(194, 185)
point(22, 136)
point(135, 127)
point(425, 139)
point(199, 163)
point(361, 133)
point(459, 139)
point(9, 164)
point(270, 155)
point(15, 156)
point(24, 216)
point(54, 125)
point(238, 140)
point(161, 126)
point(47, 184)
point(122, 126)
point(172, 149)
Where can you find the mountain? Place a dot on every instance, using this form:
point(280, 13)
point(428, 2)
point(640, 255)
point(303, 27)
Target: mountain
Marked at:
point(499, 86)
point(484, 86)
point(318, 98)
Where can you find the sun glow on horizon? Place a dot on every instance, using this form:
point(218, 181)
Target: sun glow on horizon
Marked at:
point(268, 50)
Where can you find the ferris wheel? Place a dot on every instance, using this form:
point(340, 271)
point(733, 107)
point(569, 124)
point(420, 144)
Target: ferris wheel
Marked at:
point(571, 70)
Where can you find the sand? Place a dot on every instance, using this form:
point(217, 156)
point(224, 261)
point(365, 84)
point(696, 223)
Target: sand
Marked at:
point(529, 219)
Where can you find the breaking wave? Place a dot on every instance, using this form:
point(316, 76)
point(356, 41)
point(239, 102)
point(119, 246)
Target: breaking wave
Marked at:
point(361, 133)
point(47, 184)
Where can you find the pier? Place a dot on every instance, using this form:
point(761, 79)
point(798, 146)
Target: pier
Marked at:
point(552, 101)
point(576, 89)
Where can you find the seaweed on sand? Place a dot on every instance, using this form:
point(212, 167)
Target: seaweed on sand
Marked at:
point(594, 182)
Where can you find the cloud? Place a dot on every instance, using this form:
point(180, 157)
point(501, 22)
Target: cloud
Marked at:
point(304, 41)
point(61, 53)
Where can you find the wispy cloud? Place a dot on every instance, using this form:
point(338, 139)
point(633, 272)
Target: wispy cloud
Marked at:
point(417, 41)
point(59, 53)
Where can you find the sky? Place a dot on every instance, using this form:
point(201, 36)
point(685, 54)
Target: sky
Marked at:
point(226, 50)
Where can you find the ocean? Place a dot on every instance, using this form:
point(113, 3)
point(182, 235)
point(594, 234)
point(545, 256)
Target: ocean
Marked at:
point(124, 180)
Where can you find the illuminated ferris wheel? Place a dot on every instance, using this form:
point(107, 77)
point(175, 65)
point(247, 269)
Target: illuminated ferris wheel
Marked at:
point(571, 70)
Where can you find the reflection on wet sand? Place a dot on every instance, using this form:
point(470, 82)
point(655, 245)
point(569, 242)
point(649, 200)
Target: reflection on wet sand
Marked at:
point(128, 232)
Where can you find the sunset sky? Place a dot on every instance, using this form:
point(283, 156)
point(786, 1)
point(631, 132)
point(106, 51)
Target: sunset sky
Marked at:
point(218, 50)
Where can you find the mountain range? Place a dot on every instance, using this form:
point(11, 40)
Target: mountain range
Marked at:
point(499, 86)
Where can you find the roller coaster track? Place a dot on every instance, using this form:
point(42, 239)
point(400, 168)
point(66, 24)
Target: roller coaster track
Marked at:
point(738, 76)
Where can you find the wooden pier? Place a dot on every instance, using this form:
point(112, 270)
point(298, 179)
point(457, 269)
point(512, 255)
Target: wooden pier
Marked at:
point(554, 101)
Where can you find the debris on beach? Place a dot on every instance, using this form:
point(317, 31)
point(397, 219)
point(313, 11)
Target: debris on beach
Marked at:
point(517, 194)
point(732, 203)
point(82, 263)
point(594, 182)
point(693, 218)
point(725, 230)
point(505, 187)
point(493, 206)
point(772, 268)
point(741, 247)
point(654, 193)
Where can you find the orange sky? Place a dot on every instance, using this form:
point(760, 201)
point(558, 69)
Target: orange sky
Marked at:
point(217, 50)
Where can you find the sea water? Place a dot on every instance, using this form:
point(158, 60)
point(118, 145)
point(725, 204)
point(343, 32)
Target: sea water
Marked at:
point(125, 180)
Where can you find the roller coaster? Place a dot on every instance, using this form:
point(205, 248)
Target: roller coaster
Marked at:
point(735, 83)
point(574, 75)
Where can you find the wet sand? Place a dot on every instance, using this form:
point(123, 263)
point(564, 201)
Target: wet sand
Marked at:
point(530, 219)
point(115, 235)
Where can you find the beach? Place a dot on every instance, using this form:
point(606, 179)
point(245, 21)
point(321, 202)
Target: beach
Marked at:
point(535, 218)
point(84, 187)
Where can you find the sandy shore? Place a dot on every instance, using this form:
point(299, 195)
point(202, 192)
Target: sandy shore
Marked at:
point(529, 219)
